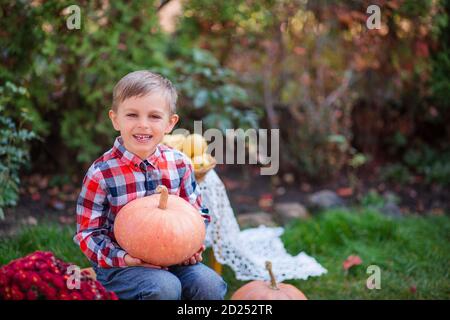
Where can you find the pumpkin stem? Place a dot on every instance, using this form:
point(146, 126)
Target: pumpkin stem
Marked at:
point(273, 281)
point(164, 196)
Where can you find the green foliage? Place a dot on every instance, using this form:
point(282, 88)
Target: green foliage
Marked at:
point(72, 73)
point(14, 141)
point(45, 237)
point(75, 93)
point(279, 47)
point(373, 200)
point(18, 44)
point(425, 161)
point(432, 164)
point(212, 93)
point(440, 80)
point(396, 172)
point(59, 180)
point(312, 70)
point(424, 150)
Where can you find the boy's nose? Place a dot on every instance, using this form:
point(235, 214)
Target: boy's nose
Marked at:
point(143, 123)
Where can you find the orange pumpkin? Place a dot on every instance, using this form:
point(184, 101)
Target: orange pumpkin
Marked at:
point(263, 290)
point(160, 229)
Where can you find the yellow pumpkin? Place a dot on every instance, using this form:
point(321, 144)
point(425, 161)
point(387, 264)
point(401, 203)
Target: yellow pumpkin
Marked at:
point(161, 229)
point(201, 161)
point(194, 145)
point(175, 141)
point(263, 290)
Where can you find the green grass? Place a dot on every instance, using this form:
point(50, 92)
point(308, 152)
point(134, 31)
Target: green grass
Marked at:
point(410, 252)
point(44, 237)
point(413, 251)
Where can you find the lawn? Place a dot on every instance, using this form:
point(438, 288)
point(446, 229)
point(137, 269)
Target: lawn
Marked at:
point(413, 253)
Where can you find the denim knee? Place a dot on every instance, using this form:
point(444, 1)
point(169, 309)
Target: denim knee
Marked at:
point(166, 288)
point(211, 287)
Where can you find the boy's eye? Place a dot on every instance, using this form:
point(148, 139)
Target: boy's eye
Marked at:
point(156, 117)
point(131, 115)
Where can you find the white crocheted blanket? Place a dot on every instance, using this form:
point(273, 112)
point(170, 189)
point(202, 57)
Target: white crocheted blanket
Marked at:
point(246, 251)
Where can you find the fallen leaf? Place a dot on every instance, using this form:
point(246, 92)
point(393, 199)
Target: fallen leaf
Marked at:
point(351, 261)
point(265, 202)
point(344, 192)
point(413, 289)
point(36, 196)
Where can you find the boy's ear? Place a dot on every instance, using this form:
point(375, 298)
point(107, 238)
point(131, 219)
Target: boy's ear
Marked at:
point(113, 116)
point(173, 119)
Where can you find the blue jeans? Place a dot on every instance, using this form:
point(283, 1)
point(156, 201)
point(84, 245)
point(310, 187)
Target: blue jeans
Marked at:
point(193, 282)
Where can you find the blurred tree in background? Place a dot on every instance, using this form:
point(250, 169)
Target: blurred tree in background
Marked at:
point(338, 88)
point(70, 74)
point(342, 95)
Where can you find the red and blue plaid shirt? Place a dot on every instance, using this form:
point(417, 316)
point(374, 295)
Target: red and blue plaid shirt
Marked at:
point(115, 179)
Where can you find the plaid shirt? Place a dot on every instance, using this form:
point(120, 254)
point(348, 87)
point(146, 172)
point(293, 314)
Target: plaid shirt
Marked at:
point(115, 179)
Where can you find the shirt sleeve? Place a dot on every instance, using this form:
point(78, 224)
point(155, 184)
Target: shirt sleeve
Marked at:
point(93, 226)
point(190, 191)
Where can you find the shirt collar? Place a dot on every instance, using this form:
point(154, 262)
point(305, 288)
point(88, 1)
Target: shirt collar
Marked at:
point(132, 159)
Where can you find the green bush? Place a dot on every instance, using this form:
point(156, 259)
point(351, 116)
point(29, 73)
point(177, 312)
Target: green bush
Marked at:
point(300, 70)
point(372, 200)
point(425, 161)
point(396, 172)
point(434, 165)
point(71, 74)
point(211, 93)
point(283, 63)
point(440, 77)
point(14, 142)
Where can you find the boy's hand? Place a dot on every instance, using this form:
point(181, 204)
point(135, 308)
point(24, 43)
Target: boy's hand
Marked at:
point(197, 257)
point(135, 262)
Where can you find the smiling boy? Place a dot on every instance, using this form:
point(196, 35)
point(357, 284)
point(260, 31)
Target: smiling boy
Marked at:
point(143, 111)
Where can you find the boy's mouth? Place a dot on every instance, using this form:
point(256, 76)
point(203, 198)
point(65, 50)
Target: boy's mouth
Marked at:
point(142, 138)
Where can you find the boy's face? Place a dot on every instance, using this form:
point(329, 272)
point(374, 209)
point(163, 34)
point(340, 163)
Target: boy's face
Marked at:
point(142, 122)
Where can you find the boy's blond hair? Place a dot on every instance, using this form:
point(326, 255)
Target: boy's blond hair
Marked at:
point(140, 83)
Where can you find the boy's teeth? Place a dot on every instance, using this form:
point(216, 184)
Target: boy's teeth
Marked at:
point(138, 136)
